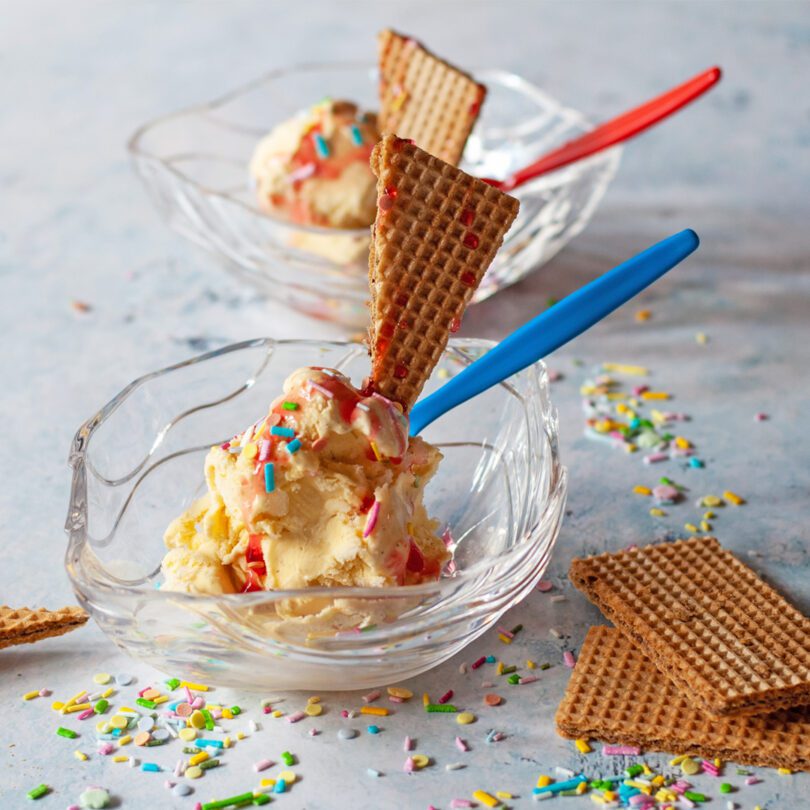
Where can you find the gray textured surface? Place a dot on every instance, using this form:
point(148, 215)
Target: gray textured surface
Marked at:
point(77, 78)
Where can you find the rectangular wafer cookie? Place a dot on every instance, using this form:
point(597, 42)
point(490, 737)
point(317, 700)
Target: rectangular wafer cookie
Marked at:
point(617, 695)
point(25, 626)
point(425, 98)
point(436, 233)
point(707, 621)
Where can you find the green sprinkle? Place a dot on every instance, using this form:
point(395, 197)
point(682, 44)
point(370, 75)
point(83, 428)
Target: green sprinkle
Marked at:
point(508, 670)
point(38, 792)
point(235, 710)
point(440, 707)
point(287, 758)
point(634, 770)
point(571, 792)
point(101, 706)
point(726, 788)
point(191, 750)
point(147, 704)
point(173, 683)
point(368, 628)
point(209, 763)
point(66, 732)
point(209, 721)
point(694, 797)
point(242, 798)
point(514, 679)
point(664, 480)
point(545, 666)
point(153, 743)
point(261, 798)
point(743, 772)
point(516, 629)
point(290, 406)
point(550, 301)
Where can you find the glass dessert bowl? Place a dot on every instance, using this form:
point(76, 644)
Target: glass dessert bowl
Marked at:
point(138, 462)
point(194, 164)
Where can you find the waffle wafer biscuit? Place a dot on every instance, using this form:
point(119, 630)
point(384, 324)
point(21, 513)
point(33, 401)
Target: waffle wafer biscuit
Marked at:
point(24, 626)
point(425, 98)
point(436, 232)
point(617, 695)
point(707, 621)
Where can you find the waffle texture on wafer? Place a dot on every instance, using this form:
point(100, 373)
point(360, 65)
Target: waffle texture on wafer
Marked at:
point(617, 695)
point(424, 98)
point(436, 232)
point(707, 621)
point(24, 626)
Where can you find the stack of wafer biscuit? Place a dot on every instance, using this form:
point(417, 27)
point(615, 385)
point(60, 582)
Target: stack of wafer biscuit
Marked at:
point(706, 658)
point(436, 232)
point(25, 626)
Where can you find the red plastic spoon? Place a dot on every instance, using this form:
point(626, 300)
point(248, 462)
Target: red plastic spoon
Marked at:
point(616, 130)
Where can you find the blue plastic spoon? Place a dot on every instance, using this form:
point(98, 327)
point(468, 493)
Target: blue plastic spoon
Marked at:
point(556, 326)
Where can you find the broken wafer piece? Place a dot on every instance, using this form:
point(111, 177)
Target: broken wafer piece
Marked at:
point(725, 638)
point(25, 626)
point(425, 98)
point(617, 695)
point(436, 233)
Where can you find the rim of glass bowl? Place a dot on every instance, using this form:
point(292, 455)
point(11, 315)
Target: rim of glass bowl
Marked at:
point(77, 510)
point(504, 77)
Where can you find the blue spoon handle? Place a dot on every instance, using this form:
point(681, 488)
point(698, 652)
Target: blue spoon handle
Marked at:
point(556, 326)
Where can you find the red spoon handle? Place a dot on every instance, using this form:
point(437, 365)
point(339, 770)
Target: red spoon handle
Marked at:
point(617, 129)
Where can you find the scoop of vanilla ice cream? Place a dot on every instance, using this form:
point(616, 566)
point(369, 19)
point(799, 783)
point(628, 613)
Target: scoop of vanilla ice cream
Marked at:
point(341, 504)
point(314, 167)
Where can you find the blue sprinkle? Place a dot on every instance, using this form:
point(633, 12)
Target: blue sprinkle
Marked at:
point(634, 423)
point(373, 729)
point(372, 772)
point(288, 433)
point(323, 151)
point(357, 136)
point(280, 786)
point(695, 462)
point(214, 743)
point(116, 732)
point(269, 477)
point(490, 659)
point(294, 446)
point(150, 766)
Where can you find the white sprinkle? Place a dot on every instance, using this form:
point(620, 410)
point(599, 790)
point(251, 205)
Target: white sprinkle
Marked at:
point(372, 772)
point(253, 726)
point(557, 598)
point(568, 774)
point(487, 684)
point(454, 766)
point(133, 763)
point(180, 768)
point(555, 632)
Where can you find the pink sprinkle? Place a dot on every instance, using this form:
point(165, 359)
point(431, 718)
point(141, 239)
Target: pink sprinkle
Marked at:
point(373, 514)
point(106, 748)
point(313, 732)
point(189, 694)
point(344, 713)
point(198, 806)
point(687, 802)
point(640, 798)
point(144, 691)
point(408, 744)
point(545, 585)
point(498, 736)
point(654, 458)
point(447, 537)
point(74, 807)
point(225, 445)
point(761, 417)
point(554, 375)
point(264, 450)
point(263, 765)
point(638, 390)
point(197, 703)
point(267, 709)
point(507, 633)
point(446, 696)
point(295, 717)
point(87, 713)
point(457, 804)
point(752, 780)
point(395, 699)
point(621, 750)
point(44, 692)
point(371, 696)
point(681, 786)
point(528, 679)
point(683, 451)
point(320, 389)
point(168, 784)
point(461, 745)
point(409, 766)
point(568, 659)
point(301, 174)
point(216, 714)
point(710, 767)
point(480, 662)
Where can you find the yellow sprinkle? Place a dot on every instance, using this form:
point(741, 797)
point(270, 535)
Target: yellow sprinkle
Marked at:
point(73, 700)
point(701, 338)
point(31, 695)
point(689, 766)
point(705, 526)
point(120, 758)
point(317, 699)
point(103, 727)
point(640, 490)
point(212, 707)
point(313, 709)
point(260, 429)
point(677, 760)
point(608, 795)
point(57, 705)
point(227, 714)
point(116, 721)
point(622, 408)
point(656, 512)
point(684, 444)
point(376, 451)
point(621, 368)
point(161, 699)
point(732, 498)
point(443, 373)
point(690, 527)
point(197, 687)
point(197, 719)
point(530, 664)
point(646, 767)
point(196, 759)
point(80, 755)
point(377, 711)
point(582, 787)
point(658, 780)
point(425, 699)
point(77, 707)
point(503, 795)
point(629, 447)
point(194, 772)
point(665, 796)
point(278, 713)
point(643, 315)
point(718, 763)
point(464, 718)
point(582, 746)
point(101, 678)
point(657, 416)
point(655, 395)
point(127, 709)
point(504, 639)
point(288, 776)
point(711, 500)
point(596, 799)
point(543, 780)
point(400, 692)
point(499, 668)
point(420, 760)
point(187, 734)
point(784, 771)
point(613, 396)
point(249, 450)
point(484, 797)
point(268, 783)
point(107, 692)
point(709, 515)
point(125, 740)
